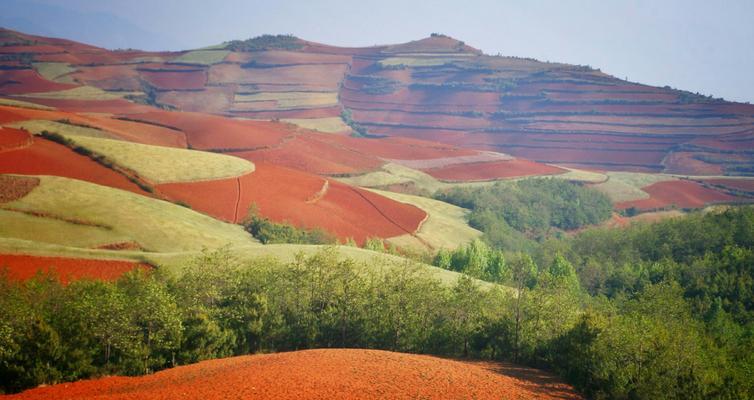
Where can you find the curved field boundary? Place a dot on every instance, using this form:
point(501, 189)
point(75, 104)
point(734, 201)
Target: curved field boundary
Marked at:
point(14, 139)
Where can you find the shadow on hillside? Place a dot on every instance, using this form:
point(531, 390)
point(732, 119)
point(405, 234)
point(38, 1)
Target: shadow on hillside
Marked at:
point(534, 380)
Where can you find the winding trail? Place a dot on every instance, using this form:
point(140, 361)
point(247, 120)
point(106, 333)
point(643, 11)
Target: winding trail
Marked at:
point(238, 199)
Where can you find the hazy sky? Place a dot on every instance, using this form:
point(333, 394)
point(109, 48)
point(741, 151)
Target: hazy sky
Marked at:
point(704, 46)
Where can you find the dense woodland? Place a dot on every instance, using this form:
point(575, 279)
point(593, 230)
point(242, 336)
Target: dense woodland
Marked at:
point(651, 311)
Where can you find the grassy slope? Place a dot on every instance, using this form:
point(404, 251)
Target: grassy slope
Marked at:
point(394, 174)
point(156, 225)
point(626, 186)
point(445, 227)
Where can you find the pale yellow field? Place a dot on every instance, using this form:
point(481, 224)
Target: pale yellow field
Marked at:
point(80, 93)
point(393, 174)
point(445, 226)
point(155, 225)
point(23, 104)
point(166, 164)
point(37, 126)
point(626, 186)
point(326, 125)
point(54, 71)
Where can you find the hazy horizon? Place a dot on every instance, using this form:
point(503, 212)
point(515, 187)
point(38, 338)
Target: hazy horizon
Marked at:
point(691, 45)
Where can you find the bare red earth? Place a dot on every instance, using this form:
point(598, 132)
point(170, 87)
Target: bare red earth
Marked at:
point(323, 374)
point(44, 157)
point(682, 194)
point(27, 81)
point(13, 139)
point(205, 131)
point(745, 185)
point(23, 267)
point(16, 187)
point(283, 194)
point(492, 170)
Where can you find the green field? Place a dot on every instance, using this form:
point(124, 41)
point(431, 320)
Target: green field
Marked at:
point(445, 227)
point(202, 57)
point(156, 225)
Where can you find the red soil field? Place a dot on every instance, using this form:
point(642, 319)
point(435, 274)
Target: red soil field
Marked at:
point(109, 77)
point(204, 131)
point(176, 80)
point(283, 194)
point(746, 185)
point(323, 374)
point(492, 170)
point(324, 76)
point(137, 132)
point(27, 81)
point(44, 157)
point(312, 153)
point(324, 112)
point(13, 139)
point(682, 194)
point(398, 147)
point(24, 267)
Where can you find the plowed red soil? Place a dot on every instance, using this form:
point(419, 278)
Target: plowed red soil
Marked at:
point(44, 157)
point(682, 193)
point(27, 81)
point(176, 80)
point(314, 153)
point(492, 170)
point(23, 267)
point(283, 194)
point(205, 131)
point(13, 138)
point(138, 132)
point(16, 187)
point(746, 185)
point(323, 374)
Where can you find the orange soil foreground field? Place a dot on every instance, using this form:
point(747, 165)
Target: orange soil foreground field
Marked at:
point(683, 194)
point(23, 267)
point(492, 170)
point(302, 199)
point(322, 374)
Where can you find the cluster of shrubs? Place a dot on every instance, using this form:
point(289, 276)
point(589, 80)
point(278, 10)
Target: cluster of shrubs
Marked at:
point(266, 42)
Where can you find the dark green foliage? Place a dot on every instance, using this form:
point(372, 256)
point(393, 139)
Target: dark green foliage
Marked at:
point(267, 231)
point(358, 130)
point(476, 259)
point(266, 42)
point(508, 213)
